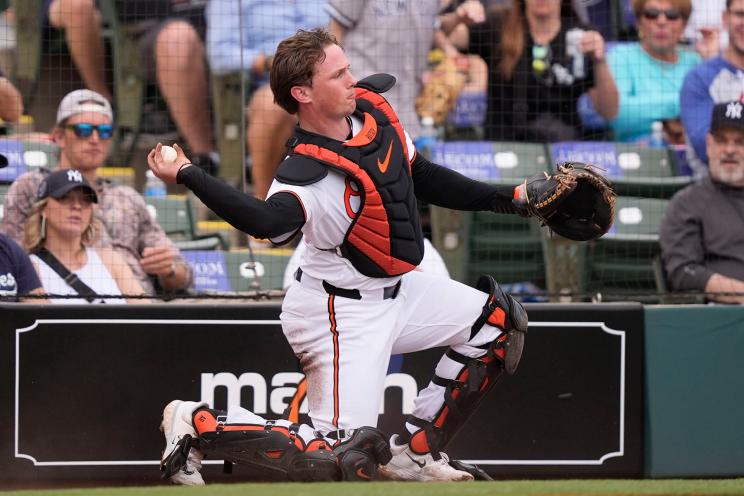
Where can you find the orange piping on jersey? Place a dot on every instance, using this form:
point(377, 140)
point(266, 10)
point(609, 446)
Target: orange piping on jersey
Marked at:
point(296, 401)
point(375, 243)
point(367, 133)
point(379, 102)
point(334, 332)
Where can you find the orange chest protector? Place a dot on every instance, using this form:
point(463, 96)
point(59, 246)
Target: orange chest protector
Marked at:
point(384, 238)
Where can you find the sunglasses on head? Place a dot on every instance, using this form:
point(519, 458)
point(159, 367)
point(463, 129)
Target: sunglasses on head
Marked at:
point(105, 131)
point(653, 13)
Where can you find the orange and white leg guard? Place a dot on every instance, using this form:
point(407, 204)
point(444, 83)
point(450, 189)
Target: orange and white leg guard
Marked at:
point(465, 379)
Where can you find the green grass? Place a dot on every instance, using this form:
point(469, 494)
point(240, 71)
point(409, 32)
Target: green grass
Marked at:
point(527, 487)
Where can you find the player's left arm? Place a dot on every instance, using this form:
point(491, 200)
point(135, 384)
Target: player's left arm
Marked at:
point(446, 188)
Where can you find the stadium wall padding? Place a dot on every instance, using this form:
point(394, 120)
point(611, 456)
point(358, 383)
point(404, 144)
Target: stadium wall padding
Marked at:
point(82, 388)
point(694, 361)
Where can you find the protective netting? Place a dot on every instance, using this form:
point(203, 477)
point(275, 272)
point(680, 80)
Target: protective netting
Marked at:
point(497, 90)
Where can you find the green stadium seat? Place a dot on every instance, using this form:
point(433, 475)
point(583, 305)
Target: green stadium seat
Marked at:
point(620, 265)
point(27, 60)
point(508, 247)
point(634, 170)
point(229, 102)
point(176, 216)
point(129, 85)
point(267, 273)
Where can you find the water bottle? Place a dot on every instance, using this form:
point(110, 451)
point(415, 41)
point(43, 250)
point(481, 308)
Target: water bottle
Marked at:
point(427, 137)
point(154, 187)
point(657, 135)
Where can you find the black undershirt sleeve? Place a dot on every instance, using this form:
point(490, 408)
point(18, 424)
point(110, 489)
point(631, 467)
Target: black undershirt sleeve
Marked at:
point(280, 214)
point(446, 188)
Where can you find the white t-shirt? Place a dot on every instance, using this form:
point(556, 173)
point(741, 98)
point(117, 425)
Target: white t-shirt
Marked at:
point(94, 274)
point(326, 223)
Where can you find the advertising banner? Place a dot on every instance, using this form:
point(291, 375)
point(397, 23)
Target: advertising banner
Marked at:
point(83, 388)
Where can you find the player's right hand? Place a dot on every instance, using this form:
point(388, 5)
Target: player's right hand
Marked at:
point(167, 171)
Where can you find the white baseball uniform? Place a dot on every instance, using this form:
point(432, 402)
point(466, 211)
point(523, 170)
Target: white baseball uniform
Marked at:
point(343, 344)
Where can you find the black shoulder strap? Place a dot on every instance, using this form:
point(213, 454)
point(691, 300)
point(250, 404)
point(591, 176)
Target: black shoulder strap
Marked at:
point(67, 276)
point(379, 83)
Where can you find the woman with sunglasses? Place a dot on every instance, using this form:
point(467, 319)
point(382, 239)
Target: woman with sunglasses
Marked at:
point(59, 235)
point(649, 73)
point(541, 59)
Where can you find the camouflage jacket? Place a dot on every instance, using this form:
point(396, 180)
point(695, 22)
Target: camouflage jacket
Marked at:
point(128, 227)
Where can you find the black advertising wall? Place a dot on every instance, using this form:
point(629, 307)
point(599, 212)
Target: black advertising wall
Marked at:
point(82, 388)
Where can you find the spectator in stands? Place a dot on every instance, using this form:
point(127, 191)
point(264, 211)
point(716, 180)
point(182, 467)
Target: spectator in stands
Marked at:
point(11, 101)
point(170, 46)
point(649, 74)
point(717, 80)
point(702, 233)
point(242, 36)
point(83, 133)
point(81, 22)
point(17, 275)
point(395, 37)
point(541, 59)
point(60, 233)
point(704, 28)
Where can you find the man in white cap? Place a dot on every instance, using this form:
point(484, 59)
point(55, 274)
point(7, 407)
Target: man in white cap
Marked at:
point(83, 132)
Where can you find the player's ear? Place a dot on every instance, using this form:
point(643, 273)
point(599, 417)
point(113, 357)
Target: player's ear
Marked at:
point(302, 94)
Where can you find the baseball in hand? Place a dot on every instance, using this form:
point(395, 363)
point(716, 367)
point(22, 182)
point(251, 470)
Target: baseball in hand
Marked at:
point(168, 153)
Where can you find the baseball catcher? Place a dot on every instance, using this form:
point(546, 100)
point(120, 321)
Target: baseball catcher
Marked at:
point(351, 183)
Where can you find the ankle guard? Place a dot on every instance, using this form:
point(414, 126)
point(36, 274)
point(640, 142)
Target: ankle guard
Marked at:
point(463, 394)
point(275, 449)
point(360, 454)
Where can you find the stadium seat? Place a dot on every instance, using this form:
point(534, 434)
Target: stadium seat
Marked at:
point(25, 155)
point(129, 85)
point(118, 175)
point(475, 243)
point(229, 114)
point(620, 265)
point(261, 268)
point(496, 162)
point(634, 170)
point(176, 216)
point(27, 60)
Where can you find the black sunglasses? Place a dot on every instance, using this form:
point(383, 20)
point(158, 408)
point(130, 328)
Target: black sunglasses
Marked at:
point(105, 131)
point(653, 13)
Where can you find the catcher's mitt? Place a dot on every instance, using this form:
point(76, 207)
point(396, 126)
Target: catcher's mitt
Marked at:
point(577, 202)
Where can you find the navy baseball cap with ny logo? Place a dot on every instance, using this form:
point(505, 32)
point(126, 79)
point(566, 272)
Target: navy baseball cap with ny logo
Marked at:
point(727, 115)
point(62, 181)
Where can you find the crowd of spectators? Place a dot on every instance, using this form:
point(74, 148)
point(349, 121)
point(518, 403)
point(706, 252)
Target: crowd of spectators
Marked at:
point(541, 56)
point(83, 134)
